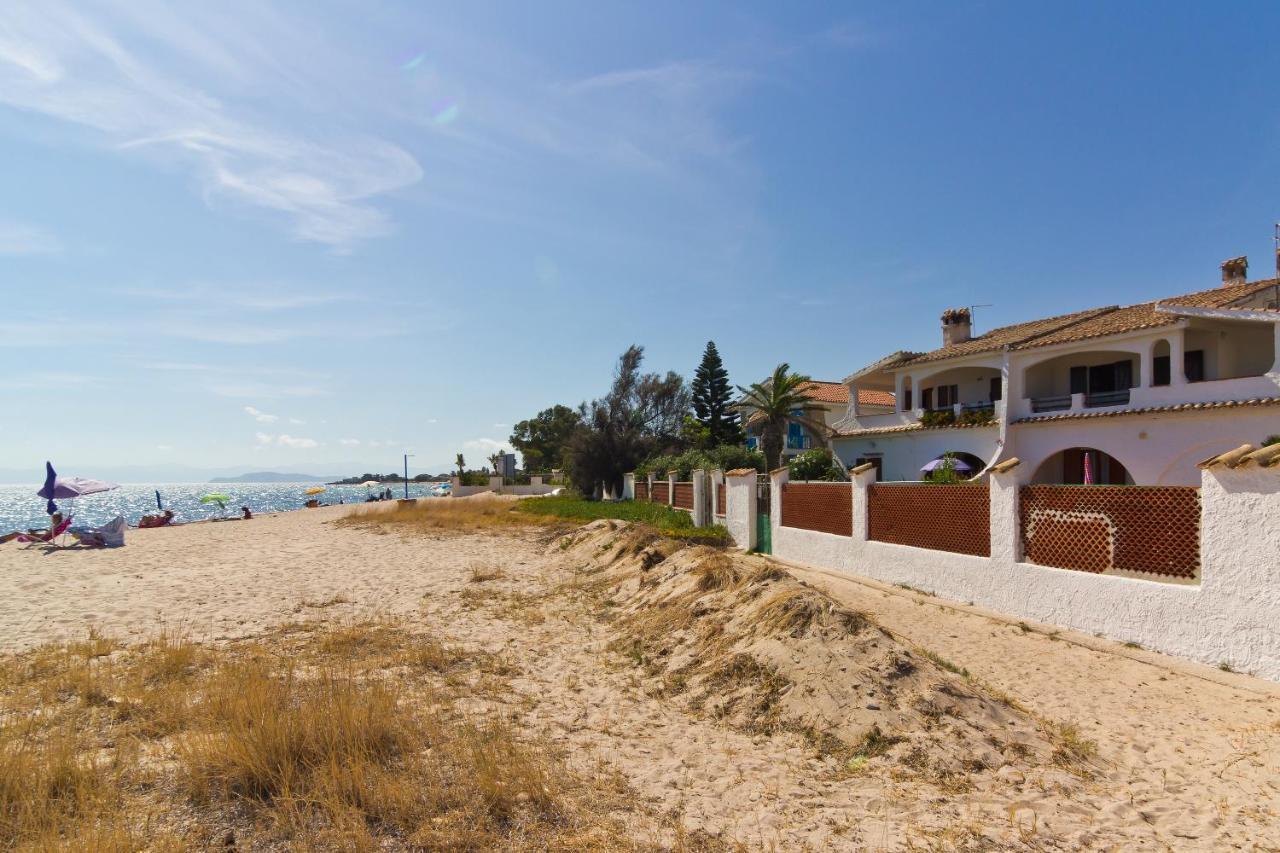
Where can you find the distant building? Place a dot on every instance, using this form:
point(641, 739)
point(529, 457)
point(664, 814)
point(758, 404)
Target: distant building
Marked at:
point(506, 464)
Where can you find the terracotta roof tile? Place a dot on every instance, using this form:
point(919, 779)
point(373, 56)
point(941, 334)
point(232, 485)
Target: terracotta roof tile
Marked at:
point(1152, 410)
point(838, 393)
point(1097, 322)
point(916, 427)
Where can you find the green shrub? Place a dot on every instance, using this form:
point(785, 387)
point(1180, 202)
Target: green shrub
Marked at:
point(727, 457)
point(1270, 440)
point(730, 457)
point(937, 419)
point(978, 416)
point(817, 464)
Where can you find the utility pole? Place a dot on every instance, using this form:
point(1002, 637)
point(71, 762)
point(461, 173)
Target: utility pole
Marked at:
point(406, 475)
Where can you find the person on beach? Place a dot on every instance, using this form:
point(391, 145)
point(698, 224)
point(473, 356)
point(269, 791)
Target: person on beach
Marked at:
point(245, 514)
point(162, 520)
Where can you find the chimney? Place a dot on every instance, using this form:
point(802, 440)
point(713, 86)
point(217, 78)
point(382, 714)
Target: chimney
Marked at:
point(956, 326)
point(1235, 271)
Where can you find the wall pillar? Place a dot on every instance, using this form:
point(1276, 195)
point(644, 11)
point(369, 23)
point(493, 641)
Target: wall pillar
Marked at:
point(740, 511)
point(863, 477)
point(1146, 373)
point(899, 386)
point(1006, 530)
point(495, 483)
point(628, 487)
point(717, 477)
point(700, 498)
point(777, 479)
point(672, 478)
point(455, 483)
point(536, 479)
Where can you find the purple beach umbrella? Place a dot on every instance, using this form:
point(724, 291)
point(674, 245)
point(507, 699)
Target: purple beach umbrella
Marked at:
point(62, 488)
point(956, 465)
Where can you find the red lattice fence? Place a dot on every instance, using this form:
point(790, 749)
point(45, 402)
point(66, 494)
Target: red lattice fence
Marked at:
point(954, 518)
point(721, 499)
point(661, 492)
point(642, 490)
point(825, 507)
point(683, 498)
point(1152, 529)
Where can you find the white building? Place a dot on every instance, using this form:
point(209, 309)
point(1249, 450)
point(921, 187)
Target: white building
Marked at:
point(825, 403)
point(1136, 394)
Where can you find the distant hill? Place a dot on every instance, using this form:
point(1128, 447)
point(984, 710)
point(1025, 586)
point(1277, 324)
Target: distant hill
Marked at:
point(271, 477)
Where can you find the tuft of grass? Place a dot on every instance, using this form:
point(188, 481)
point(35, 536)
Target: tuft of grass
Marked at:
point(672, 523)
point(1072, 750)
point(1226, 666)
point(484, 574)
point(794, 610)
point(943, 662)
point(717, 571)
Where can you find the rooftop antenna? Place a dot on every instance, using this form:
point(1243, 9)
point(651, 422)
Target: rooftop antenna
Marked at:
point(972, 312)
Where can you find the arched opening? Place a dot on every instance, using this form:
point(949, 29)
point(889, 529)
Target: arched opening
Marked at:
point(1160, 365)
point(965, 465)
point(1076, 466)
point(1104, 377)
point(970, 387)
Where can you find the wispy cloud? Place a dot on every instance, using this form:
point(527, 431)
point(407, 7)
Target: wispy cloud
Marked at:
point(88, 70)
point(43, 379)
point(486, 445)
point(266, 439)
point(260, 416)
point(349, 442)
point(18, 239)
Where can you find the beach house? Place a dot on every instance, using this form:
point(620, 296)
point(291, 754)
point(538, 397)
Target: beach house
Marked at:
point(1132, 394)
point(825, 403)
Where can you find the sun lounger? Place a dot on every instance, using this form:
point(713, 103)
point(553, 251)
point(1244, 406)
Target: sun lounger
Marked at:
point(109, 535)
point(45, 536)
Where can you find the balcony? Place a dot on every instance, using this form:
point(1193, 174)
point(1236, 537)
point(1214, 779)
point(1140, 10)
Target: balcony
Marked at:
point(799, 442)
point(1106, 398)
point(1051, 404)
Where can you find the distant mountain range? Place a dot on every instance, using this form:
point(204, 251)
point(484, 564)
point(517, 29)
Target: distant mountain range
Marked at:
point(271, 477)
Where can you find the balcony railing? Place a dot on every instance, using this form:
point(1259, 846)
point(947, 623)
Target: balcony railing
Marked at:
point(1106, 398)
point(799, 442)
point(1051, 404)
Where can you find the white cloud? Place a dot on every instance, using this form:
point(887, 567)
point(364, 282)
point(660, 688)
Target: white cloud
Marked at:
point(68, 65)
point(18, 239)
point(261, 417)
point(501, 426)
point(265, 439)
point(432, 421)
point(349, 442)
point(296, 421)
point(486, 445)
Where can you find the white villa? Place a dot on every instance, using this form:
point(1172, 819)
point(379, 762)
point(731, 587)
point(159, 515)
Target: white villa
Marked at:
point(1136, 394)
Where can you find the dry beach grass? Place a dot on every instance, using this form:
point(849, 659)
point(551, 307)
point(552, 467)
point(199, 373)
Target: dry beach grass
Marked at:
point(483, 681)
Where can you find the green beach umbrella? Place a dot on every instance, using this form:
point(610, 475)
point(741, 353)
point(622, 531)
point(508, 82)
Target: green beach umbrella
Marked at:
point(219, 499)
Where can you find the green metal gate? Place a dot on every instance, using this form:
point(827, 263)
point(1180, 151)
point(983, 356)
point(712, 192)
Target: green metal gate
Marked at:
point(764, 522)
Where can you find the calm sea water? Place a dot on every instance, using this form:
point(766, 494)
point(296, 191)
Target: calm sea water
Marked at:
point(20, 508)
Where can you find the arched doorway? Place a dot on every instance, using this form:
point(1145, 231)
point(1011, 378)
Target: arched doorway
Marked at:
point(969, 465)
point(1076, 466)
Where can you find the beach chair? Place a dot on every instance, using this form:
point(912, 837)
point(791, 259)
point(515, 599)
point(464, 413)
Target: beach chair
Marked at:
point(109, 535)
point(45, 537)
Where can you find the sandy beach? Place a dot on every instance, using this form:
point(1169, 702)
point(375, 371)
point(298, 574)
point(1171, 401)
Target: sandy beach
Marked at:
point(1178, 757)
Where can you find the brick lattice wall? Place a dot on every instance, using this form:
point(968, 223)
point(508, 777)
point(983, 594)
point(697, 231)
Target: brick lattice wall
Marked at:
point(683, 498)
point(642, 490)
point(954, 518)
point(825, 507)
point(1152, 529)
point(661, 492)
point(721, 499)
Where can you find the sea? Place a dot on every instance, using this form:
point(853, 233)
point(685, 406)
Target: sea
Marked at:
point(20, 508)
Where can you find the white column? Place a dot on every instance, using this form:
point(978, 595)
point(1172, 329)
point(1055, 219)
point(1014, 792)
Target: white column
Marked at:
point(628, 486)
point(899, 389)
point(1145, 371)
point(671, 487)
point(495, 483)
point(740, 512)
point(700, 498)
point(717, 477)
point(862, 481)
point(1177, 350)
point(777, 478)
point(1006, 533)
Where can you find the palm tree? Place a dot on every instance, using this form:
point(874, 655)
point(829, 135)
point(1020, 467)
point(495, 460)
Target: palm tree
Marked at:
point(462, 465)
point(774, 400)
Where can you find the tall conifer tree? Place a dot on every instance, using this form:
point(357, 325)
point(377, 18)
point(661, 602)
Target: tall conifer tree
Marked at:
point(712, 396)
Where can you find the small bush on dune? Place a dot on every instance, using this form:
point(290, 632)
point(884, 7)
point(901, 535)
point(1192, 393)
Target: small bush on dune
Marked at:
point(793, 611)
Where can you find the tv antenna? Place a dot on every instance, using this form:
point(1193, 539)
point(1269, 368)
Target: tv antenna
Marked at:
point(973, 308)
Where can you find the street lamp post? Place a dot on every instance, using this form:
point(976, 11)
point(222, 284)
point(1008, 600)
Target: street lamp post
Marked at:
point(406, 475)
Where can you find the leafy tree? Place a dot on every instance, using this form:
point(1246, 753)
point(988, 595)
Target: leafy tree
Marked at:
point(774, 400)
point(641, 415)
point(817, 464)
point(712, 397)
point(543, 439)
point(462, 465)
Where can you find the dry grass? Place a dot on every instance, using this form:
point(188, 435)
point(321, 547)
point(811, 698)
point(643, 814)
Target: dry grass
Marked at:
point(483, 574)
point(795, 611)
point(361, 736)
point(463, 515)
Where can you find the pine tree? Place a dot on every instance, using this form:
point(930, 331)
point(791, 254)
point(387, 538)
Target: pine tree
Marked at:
point(711, 399)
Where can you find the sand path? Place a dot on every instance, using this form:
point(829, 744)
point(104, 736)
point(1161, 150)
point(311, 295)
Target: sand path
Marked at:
point(1189, 758)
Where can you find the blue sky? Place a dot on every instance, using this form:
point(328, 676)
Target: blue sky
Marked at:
point(311, 236)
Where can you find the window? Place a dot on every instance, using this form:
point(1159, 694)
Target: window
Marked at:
point(906, 400)
point(997, 390)
point(1079, 379)
point(1160, 370)
point(1193, 364)
point(926, 398)
point(948, 395)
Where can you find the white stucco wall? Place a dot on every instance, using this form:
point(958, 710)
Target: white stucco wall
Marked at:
point(1232, 616)
point(905, 453)
point(740, 518)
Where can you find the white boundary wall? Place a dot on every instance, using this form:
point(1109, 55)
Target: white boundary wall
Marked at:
point(1231, 616)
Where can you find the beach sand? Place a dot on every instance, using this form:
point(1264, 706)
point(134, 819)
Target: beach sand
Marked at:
point(1187, 758)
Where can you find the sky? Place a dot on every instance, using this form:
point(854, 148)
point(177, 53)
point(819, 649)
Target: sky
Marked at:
point(314, 236)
